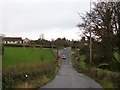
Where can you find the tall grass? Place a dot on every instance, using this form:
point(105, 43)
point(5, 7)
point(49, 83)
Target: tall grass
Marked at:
point(14, 76)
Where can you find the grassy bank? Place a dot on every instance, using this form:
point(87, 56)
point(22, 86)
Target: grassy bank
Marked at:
point(107, 79)
point(33, 75)
point(28, 68)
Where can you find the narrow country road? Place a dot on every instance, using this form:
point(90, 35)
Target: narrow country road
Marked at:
point(67, 77)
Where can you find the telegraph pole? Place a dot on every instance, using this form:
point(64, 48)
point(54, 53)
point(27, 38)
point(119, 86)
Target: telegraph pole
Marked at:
point(90, 39)
point(90, 46)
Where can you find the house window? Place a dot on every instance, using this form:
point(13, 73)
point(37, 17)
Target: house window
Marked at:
point(15, 42)
point(4, 42)
point(12, 42)
point(9, 42)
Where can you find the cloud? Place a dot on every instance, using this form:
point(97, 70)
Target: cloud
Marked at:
point(51, 1)
point(49, 34)
point(29, 19)
point(70, 33)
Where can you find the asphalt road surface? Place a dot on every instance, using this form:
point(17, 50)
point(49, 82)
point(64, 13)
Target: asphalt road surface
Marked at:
point(67, 77)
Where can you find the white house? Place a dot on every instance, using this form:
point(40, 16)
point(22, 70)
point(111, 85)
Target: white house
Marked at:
point(26, 41)
point(12, 40)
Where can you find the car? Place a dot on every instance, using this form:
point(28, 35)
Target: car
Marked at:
point(63, 57)
point(64, 48)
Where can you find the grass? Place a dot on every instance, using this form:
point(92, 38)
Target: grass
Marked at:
point(18, 55)
point(106, 84)
point(82, 63)
point(37, 63)
point(37, 75)
point(117, 56)
point(107, 79)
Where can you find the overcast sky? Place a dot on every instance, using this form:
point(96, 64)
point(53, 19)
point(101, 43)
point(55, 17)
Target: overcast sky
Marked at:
point(53, 18)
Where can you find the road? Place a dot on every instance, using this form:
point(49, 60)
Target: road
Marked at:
point(67, 77)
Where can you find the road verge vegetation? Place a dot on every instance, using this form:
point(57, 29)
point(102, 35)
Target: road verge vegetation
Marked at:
point(28, 68)
point(30, 76)
point(107, 79)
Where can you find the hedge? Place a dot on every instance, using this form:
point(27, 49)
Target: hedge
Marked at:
point(21, 73)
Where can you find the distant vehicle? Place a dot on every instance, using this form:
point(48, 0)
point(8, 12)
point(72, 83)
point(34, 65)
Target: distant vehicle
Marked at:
point(64, 48)
point(63, 57)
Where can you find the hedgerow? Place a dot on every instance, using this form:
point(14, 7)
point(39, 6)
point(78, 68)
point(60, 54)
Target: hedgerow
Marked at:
point(21, 73)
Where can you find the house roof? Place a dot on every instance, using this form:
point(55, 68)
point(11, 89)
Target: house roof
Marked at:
point(12, 39)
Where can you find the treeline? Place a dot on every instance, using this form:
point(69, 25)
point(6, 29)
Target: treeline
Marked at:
point(59, 42)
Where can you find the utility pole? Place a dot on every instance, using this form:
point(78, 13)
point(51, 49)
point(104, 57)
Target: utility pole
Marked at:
point(90, 39)
point(90, 46)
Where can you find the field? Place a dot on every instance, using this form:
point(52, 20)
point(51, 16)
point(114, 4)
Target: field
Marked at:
point(37, 63)
point(18, 55)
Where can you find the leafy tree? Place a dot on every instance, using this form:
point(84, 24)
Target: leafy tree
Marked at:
point(116, 7)
point(104, 24)
point(61, 42)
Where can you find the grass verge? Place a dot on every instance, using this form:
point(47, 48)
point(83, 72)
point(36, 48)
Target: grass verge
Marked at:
point(107, 79)
point(31, 76)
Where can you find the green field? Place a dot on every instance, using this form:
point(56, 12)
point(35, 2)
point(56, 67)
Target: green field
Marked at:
point(19, 55)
